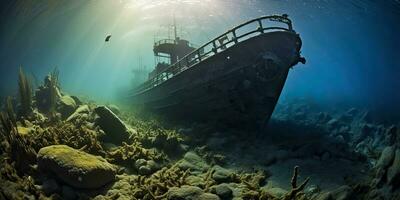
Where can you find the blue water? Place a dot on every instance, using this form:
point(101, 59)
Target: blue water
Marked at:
point(352, 46)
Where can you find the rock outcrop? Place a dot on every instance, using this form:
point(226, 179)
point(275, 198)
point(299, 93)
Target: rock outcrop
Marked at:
point(393, 172)
point(222, 175)
point(115, 129)
point(342, 193)
point(385, 160)
point(79, 112)
point(193, 162)
point(75, 167)
point(66, 106)
point(189, 193)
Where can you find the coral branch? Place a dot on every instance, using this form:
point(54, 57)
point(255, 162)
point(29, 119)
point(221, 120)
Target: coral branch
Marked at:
point(295, 190)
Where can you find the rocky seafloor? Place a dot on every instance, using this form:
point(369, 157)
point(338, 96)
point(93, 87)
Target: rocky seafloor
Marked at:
point(59, 146)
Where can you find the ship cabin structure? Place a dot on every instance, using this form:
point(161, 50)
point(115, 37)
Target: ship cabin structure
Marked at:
point(168, 52)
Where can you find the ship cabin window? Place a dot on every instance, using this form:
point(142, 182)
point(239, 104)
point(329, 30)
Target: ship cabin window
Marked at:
point(163, 58)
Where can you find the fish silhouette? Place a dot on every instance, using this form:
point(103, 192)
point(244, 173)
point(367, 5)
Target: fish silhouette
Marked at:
point(108, 38)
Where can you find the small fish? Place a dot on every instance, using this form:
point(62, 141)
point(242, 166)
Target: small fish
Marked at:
point(108, 38)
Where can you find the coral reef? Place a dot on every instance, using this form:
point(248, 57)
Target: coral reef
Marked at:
point(19, 148)
point(89, 151)
point(296, 190)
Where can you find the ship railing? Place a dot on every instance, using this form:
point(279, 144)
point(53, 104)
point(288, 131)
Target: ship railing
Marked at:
point(165, 41)
point(172, 41)
point(226, 40)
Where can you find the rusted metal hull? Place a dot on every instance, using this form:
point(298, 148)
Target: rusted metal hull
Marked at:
point(238, 87)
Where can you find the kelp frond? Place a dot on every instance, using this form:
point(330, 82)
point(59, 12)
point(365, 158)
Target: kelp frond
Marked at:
point(20, 149)
point(53, 86)
point(25, 92)
point(10, 109)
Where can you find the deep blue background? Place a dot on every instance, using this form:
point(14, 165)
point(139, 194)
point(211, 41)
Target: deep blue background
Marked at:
point(351, 46)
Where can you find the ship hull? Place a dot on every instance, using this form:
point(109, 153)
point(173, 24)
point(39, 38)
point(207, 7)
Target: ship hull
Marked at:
point(238, 87)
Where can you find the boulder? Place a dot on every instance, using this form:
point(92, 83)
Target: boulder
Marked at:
point(68, 193)
point(50, 186)
point(115, 129)
point(394, 170)
point(75, 167)
point(386, 157)
point(83, 109)
point(114, 109)
point(146, 167)
point(193, 162)
point(189, 193)
point(222, 190)
point(385, 160)
point(66, 106)
point(342, 193)
point(275, 191)
point(222, 175)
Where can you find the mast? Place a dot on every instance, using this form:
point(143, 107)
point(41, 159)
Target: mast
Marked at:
point(175, 32)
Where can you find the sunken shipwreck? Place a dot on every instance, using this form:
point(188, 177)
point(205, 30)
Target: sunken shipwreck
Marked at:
point(199, 100)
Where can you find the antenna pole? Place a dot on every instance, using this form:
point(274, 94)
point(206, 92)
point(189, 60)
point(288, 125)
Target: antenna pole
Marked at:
point(175, 34)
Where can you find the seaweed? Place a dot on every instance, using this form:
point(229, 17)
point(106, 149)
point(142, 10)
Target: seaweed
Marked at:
point(25, 93)
point(75, 136)
point(19, 149)
point(53, 92)
point(34, 80)
point(10, 109)
point(157, 185)
point(127, 154)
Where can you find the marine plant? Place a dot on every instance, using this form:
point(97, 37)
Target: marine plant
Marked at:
point(75, 136)
point(19, 149)
point(157, 185)
point(296, 191)
point(152, 135)
point(127, 154)
point(53, 86)
point(10, 109)
point(25, 93)
point(14, 186)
